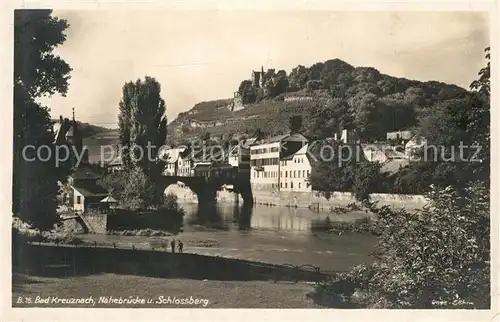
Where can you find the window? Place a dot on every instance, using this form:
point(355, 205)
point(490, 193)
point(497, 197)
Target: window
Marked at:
point(294, 173)
point(286, 174)
point(291, 184)
point(298, 174)
point(304, 173)
point(299, 185)
point(281, 184)
point(308, 173)
point(78, 200)
point(285, 184)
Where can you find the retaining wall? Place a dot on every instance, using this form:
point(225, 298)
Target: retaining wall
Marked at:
point(316, 200)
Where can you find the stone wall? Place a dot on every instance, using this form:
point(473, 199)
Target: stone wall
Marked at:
point(317, 201)
point(97, 222)
point(229, 197)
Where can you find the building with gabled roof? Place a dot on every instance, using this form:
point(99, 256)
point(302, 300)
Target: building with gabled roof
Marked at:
point(265, 155)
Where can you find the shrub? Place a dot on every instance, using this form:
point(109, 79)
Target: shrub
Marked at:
point(436, 257)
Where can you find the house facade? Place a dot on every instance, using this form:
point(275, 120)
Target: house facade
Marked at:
point(295, 171)
point(239, 156)
point(265, 159)
point(67, 133)
point(414, 146)
point(172, 156)
point(184, 166)
point(83, 192)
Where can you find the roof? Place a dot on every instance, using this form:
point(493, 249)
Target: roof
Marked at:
point(394, 154)
point(248, 143)
point(173, 154)
point(315, 152)
point(295, 137)
point(404, 135)
point(73, 129)
point(89, 189)
point(208, 154)
point(302, 151)
point(393, 165)
point(202, 166)
point(109, 199)
point(116, 161)
point(84, 173)
point(60, 130)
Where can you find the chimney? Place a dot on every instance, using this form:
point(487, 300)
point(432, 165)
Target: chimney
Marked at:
point(344, 136)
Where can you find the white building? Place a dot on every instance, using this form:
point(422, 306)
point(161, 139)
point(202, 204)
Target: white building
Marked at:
point(414, 146)
point(265, 159)
point(295, 171)
point(171, 156)
point(239, 155)
point(185, 166)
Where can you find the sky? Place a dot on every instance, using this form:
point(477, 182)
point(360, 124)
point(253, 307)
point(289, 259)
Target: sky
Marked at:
point(204, 55)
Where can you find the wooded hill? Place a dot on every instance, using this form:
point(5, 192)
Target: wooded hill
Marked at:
point(330, 96)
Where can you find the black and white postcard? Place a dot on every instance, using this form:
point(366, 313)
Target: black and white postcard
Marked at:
point(216, 155)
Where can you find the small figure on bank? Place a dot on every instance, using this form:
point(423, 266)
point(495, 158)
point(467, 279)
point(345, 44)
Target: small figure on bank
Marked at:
point(181, 245)
point(172, 245)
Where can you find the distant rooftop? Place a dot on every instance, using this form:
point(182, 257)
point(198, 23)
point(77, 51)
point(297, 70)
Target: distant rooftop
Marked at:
point(90, 189)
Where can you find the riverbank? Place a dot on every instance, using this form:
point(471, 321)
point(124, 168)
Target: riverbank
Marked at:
point(320, 201)
point(315, 200)
point(57, 271)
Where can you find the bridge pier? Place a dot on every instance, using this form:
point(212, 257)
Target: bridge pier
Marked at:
point(206, 188)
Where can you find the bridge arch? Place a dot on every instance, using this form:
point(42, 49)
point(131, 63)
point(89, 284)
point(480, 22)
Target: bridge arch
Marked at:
point(206, 188)
point(182, 191)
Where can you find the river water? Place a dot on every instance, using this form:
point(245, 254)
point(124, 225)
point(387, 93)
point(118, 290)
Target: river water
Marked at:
point(274, 235)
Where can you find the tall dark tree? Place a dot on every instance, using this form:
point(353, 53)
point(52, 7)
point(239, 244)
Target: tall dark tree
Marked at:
point(37, 72)
point(142, 125)
point(247, 92)
point(295, 124)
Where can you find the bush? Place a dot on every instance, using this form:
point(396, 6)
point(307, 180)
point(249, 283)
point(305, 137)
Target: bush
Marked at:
point(435, 258)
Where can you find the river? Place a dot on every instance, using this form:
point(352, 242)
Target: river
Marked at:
point(274, 235)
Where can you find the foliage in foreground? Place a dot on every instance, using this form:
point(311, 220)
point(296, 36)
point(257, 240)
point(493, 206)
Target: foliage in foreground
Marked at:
point(435, 258)
point(38, 72)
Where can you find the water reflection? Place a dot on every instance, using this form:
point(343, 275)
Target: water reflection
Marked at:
point(229, 217)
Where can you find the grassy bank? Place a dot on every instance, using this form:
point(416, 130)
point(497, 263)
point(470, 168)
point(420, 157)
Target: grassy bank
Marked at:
point(76, 272)
point(220, 294)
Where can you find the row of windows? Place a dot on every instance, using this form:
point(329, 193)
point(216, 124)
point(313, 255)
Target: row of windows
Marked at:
point(265, 174)
point(288, 174)
point(295, 160)
point(285, 185)
point(265, 150)
point(185, 171)
point(266, 161)
point(295, 174)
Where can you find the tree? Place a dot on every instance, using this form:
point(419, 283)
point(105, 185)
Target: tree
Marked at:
point(139, 192)
point(298, 77)
point(205, 136)
point(323, 120)
point(142, 123)
point(435, 262)
point(37, 72)
point(247, 92)
point(295, 123)
point(339, 168)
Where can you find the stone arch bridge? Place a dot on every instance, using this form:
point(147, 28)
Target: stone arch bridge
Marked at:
point(206, 187)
